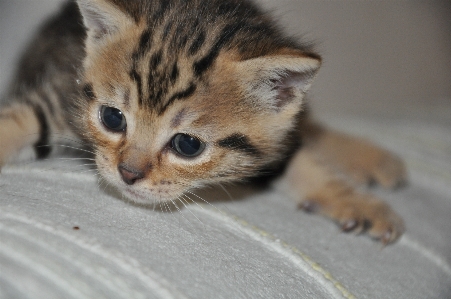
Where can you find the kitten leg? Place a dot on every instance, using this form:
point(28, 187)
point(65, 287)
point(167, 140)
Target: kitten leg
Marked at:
point(19, 128)
point(318, 189)
point(357, 158)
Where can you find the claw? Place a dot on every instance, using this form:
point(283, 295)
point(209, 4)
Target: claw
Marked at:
point(308, 206)
point(349, 225)
point(387, 237)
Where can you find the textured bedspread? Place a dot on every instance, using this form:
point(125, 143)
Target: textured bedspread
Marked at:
point(64, 236)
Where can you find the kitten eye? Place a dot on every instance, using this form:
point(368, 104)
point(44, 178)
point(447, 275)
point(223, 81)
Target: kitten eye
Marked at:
point(187, 145)
point(112, 118)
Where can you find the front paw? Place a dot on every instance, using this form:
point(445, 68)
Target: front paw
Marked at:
point(359, 213)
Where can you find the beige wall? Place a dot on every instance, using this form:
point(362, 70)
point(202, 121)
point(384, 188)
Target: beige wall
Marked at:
point(378, 55)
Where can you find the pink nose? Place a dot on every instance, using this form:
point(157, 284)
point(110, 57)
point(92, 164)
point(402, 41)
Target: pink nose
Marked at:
point(130, 175)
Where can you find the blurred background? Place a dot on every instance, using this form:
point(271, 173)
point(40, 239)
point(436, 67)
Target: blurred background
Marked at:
point(381, 58)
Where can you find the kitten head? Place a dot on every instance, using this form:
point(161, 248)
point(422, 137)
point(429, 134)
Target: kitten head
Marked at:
point(180, 94)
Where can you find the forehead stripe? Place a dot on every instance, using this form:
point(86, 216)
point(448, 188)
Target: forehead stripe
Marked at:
point(174, 73)
point(180, 95)
point(167, 29)
point(227, 33)
point(197, 43)
point(137, 79)
point(144, 43)
point(155, 60)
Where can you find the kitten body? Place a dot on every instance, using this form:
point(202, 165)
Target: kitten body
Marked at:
point(175, 95)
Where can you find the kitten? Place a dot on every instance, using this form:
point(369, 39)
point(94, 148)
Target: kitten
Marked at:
point(175, 95)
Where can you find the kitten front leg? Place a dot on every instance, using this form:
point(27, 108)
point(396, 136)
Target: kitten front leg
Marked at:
point(318, 189)
point(360, 160)
point(19, 128)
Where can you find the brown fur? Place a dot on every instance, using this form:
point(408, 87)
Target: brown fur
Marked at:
point(218, 71)
point(18, 125)
point(312, 180)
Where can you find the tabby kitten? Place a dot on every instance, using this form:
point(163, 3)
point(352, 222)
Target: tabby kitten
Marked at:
point(175, 95)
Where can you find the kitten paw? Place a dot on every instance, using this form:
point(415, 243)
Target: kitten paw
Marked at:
point(359, 213)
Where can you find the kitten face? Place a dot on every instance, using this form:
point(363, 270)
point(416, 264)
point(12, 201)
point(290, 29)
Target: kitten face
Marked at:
point(160, 128)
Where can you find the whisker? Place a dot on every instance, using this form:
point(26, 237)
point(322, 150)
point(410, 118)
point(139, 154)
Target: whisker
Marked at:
point(193, 201)
point(74, 140)
point(105, 184)
point(63, 137)
point(205, 201)
point(180, 211)
point(168, 209)
point(70, 159)
point(53, 158)
point(94, 171)
point(180, 198)
point(154, 204)
point(64, 167)
point(226, 192)
point(68, 146)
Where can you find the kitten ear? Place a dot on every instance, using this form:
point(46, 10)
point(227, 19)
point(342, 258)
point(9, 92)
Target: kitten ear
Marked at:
point(102, 18)
point(277, 80)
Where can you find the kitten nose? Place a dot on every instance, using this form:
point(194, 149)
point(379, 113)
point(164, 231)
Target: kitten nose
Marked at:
point(130, 175)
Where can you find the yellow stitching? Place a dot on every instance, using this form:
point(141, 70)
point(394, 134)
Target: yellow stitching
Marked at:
point(314, 265)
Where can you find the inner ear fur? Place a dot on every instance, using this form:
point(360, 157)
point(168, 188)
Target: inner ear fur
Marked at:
point(274, 81)
point(102, 19)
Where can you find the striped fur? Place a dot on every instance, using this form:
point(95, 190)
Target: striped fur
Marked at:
point(217, 71)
